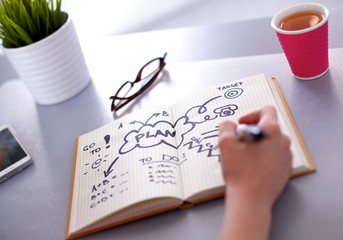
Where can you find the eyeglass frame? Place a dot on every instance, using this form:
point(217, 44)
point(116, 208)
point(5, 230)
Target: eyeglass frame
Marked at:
point(138, 79)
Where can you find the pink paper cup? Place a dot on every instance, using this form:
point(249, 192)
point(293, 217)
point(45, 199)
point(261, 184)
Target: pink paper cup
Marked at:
point(306, 49)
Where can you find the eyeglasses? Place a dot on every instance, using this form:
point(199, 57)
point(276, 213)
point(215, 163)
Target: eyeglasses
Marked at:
point(145, 78)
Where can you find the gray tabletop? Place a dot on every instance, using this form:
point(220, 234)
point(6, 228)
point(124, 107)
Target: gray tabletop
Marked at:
point(34, 203)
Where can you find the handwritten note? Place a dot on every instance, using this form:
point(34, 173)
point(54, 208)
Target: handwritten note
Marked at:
point(153, 151)
point(164, 152)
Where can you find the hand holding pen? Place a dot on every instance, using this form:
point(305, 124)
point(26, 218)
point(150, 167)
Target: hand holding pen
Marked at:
point(256, 165)
point(259, 164)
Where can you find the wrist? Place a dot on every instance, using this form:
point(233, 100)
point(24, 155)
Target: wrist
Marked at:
point(248, 198)
point(245, 218)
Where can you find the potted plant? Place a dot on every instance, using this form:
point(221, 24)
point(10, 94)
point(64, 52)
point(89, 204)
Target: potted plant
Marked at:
point(41, 42)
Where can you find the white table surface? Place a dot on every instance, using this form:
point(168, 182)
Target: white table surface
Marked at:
point(34, 203)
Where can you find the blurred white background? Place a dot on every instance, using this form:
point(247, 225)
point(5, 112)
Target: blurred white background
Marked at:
point(96, 18)
point(113, 17)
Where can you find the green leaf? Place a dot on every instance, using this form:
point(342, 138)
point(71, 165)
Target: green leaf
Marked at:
point(8, 29)
point(8, 9)
point(11, 36)
point(47, 19)
point(21, 32)
point(27, 4)
point(15, 9)
point(29, 23)
point(44, 16)
point(2, 10)
point(11, 42)
point(52, 5)
point(26, 21)
point(22, 21)
point(35, 16)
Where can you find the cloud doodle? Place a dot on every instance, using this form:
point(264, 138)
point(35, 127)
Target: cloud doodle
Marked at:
point(161, 132)
point(149, 135)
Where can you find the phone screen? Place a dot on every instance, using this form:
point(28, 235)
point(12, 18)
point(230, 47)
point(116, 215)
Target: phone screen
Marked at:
point(10, 150)
point(13, 157)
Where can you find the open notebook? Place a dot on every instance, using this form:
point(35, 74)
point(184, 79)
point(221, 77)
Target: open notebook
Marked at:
point(166, 157)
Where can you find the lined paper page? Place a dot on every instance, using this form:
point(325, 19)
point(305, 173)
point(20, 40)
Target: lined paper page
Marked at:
point(130, 160)
point(204, 111)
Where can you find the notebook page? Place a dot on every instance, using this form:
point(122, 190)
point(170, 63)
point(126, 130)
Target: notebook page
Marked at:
point(206, 108)
point(123, 163)
point(142, 209)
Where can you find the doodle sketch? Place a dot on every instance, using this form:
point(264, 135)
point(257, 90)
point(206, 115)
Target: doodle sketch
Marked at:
point(158, 130)
point(163, 132)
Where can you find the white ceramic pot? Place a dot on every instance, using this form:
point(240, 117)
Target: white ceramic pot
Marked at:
point(54, 68)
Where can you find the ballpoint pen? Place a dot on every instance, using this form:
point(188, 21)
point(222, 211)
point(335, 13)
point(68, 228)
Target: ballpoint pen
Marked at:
point(251, 133)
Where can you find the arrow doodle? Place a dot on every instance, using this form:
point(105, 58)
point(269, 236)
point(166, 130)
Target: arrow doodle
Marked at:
point(109, 170)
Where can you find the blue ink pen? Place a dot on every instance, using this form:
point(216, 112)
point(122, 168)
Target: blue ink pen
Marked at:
point(249, 132)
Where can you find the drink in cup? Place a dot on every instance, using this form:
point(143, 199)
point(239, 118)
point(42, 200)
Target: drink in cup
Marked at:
point(303, 33)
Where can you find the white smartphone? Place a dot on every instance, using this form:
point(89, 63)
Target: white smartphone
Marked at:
point(13, 156)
